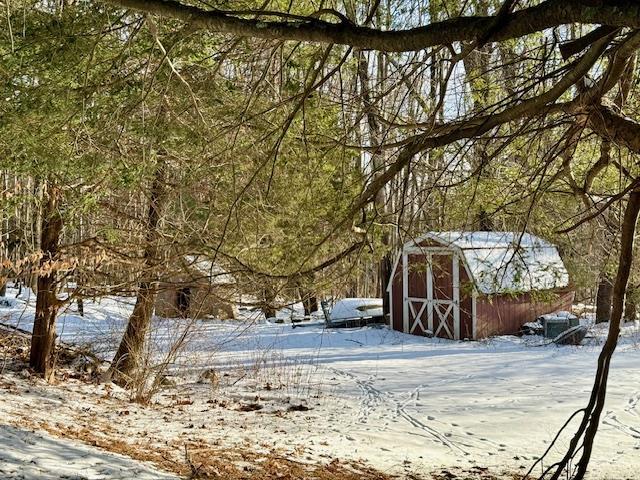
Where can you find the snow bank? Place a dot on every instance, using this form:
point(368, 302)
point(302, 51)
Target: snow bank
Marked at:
point(26, 455)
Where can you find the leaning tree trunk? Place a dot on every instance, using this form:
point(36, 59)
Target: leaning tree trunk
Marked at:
point(129, 355)
point(604, 296)
point(42, 358)
point(591, 418)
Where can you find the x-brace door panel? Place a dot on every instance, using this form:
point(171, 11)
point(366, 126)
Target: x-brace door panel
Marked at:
point(445, 295)
point(432, 294)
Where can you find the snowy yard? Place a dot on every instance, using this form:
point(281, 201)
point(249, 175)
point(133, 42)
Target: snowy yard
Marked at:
point(400, 403)
point(29, 455)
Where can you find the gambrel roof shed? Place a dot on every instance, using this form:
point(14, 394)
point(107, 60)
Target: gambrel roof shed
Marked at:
point(506, 262)
point(475, 284)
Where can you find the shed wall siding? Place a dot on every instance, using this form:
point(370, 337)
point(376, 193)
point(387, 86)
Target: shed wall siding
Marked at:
point(505, 314)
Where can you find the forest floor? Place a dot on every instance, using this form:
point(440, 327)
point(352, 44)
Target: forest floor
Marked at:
point(258, 400)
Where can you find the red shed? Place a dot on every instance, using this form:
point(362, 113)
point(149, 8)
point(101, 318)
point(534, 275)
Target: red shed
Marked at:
point(475, 284)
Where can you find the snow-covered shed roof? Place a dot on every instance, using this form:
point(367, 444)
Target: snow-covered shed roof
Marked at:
point(205, 267)
point(501, 262)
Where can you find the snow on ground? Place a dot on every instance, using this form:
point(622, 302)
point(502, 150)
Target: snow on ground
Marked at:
point(26, 455)
point(401, 403)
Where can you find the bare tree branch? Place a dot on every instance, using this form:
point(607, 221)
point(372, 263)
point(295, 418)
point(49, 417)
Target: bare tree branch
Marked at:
point(548, 14)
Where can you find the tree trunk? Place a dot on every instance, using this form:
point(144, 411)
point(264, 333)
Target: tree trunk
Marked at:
point(384, 274)
point(313, 304)
point(42, 358)
point(308, 299)
point(268, 301)
point(619, 289)
point(127, 360)
point(4, 236)
point(375, 134)
point(129, 355)
point(591, 417)
point(36, 235)
point(310, 303)
point(604, 296)
point(631, 303)
point(485, 223)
